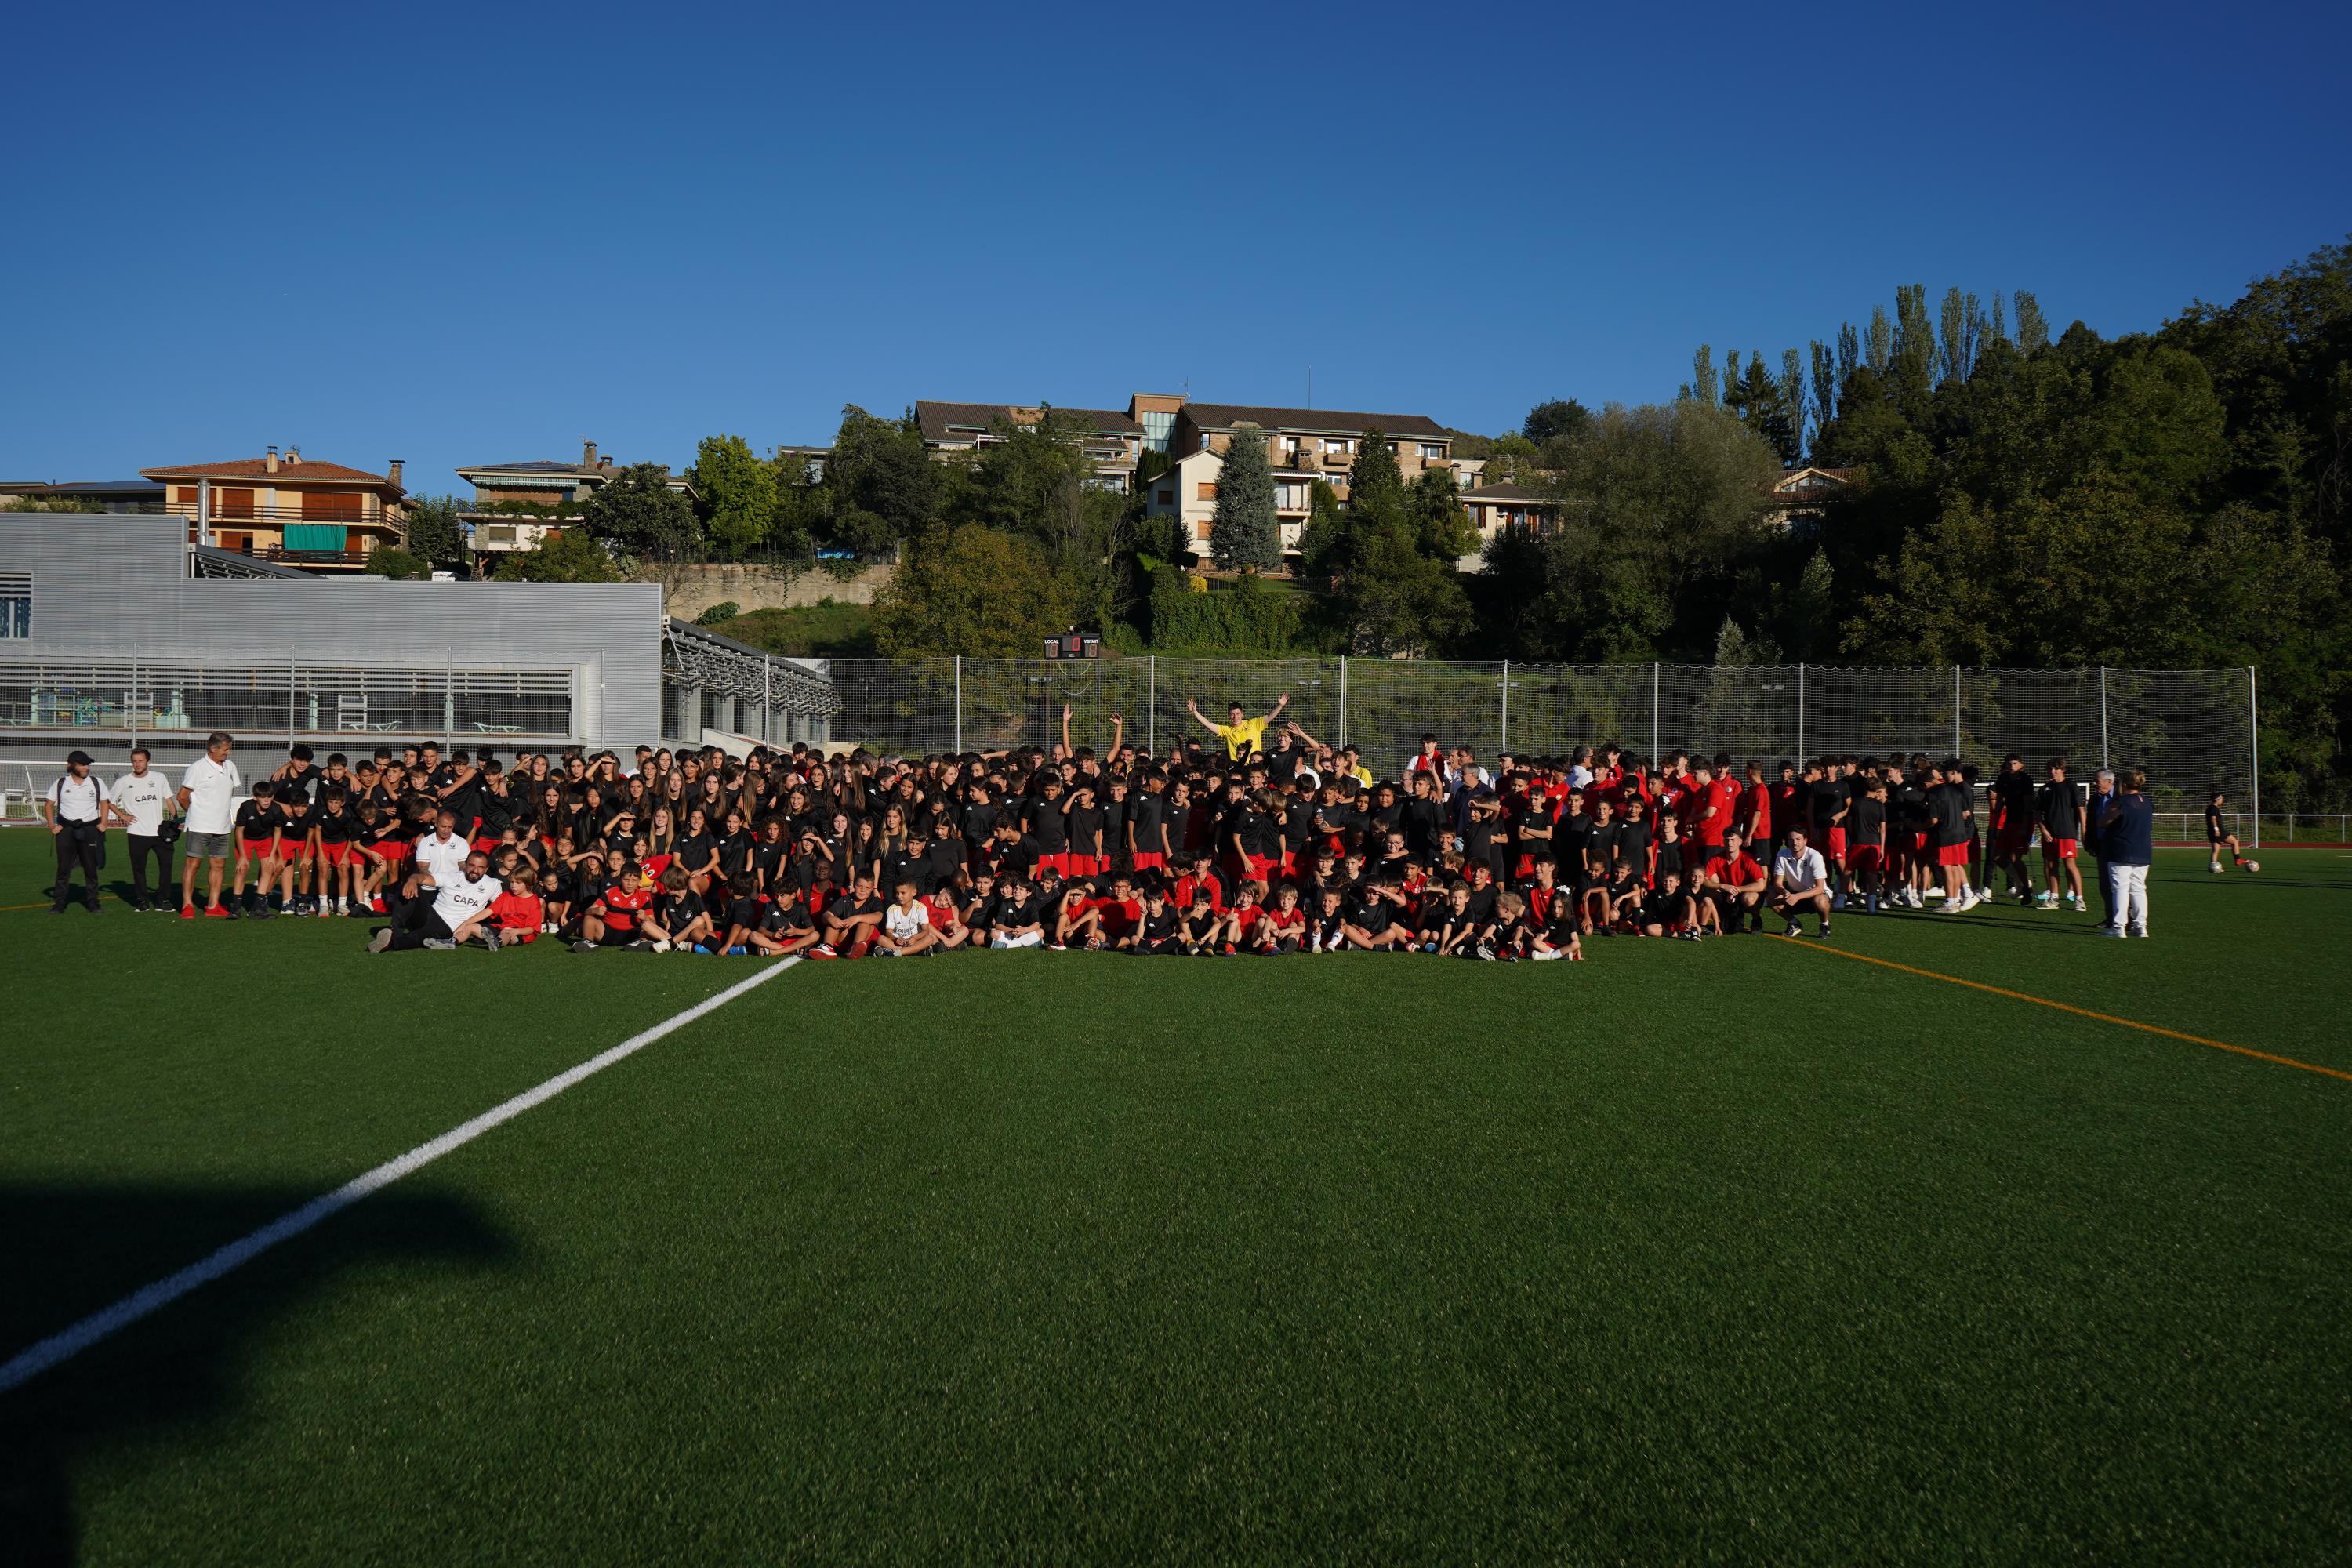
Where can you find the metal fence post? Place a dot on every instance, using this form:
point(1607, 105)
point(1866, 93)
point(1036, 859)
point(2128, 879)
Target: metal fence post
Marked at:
point(1151, 704)
point(1506, 743)
point(1653, 713)
point(2104, 762)
point(2254, 740)
point(1343, 700)
point(958, 702)
point(131, 707)
point(767, 699)
point(1956, 710)
point(1801, 717)
point(292, 697)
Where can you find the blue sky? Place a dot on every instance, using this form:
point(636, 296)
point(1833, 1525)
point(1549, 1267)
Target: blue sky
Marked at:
point(457, 234)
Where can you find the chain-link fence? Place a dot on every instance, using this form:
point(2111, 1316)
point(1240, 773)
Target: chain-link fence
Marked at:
point(2191, 730)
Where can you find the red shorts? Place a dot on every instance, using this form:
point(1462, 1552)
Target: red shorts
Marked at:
point(392, 854)
point(1083, 865)
point(1151, 862)
point(2011, 842)
point(2058, 848)
point(1920, 842)
point(487, 846)
point(1259, 867)
point(509, 935)
point(1951, 854)
point(1290, 863)
point(1058, 862)
point(257, 848)
point(1837, 844)
point(334, 854)
point(1867, 857)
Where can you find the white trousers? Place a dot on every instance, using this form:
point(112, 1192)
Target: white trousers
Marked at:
point(2131, 897)
point(1027, 939)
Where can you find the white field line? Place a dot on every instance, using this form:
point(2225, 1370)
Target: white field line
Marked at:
point(62, 1346)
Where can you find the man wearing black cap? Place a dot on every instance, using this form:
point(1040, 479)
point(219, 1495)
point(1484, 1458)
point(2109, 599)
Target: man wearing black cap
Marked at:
point(76, 811)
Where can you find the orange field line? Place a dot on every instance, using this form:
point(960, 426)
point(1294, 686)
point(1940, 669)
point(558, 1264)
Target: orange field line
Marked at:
point(2066, 1007)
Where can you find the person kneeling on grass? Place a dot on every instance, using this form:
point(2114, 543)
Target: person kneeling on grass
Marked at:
point(907, 930)
point(615, 917)
point(457, 911)
point(1800, 882)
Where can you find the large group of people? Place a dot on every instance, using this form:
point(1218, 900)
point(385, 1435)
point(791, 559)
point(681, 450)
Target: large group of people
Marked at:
point(1253, 837)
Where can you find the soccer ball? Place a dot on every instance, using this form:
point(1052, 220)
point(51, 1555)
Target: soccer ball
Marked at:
point(2253, 865)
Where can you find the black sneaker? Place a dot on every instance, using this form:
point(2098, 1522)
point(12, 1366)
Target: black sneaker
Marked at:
point(1825, 930)
point(56, 909)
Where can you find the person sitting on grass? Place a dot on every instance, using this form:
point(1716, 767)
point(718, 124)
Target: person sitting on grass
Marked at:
point(616, 913)
point(905, 930)
point(1670, 910)
point(1017, 923)
point(681, 917)
point(850, 921)
point(1800, 882)
point(946, 918)
point(459, 910)
point(518, 913)
point(780, 926)
point(1157, 936)
point(1512, 932)
point(1556, 935)
point(1201, 932)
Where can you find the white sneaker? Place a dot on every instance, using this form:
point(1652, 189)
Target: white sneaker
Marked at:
point(1984, 895)
point(2109, 931)
point(2140, 931)
point(662, 945)
point(547, 927)
point(1548, 952)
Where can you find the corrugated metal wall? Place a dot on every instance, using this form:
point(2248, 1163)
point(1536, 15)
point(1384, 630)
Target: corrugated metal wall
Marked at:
point(117, 588)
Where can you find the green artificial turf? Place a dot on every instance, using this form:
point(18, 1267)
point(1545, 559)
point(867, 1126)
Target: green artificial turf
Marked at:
point(1736, 1252)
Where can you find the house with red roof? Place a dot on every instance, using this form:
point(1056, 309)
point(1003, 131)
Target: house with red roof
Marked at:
point(290, 510)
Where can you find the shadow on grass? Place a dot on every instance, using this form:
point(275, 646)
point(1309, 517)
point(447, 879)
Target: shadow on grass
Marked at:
point(181, 1372)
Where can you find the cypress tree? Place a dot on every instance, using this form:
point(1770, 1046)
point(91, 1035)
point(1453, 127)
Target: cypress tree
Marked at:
point(1242, 532)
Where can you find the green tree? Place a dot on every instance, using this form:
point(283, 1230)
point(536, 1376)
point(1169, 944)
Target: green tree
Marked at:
point(973, 590)
point(1398, 600)
point(737, 493)
point(568, 556)
point(1702, 381)
point(2032, 326)
point(1557, 417)
point(1515, 456)
point(1322, 541)
point(1441, 524)
point(1375, 482)
point(435, 534)
point(1243, 534)
point(1805, 614)
point(391, 561)
point(636, 511)
point(879, 468)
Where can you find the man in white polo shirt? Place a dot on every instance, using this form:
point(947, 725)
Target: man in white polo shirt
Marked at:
point(1801, 881)
point(76, 810)
point(209, 792)
point(141, 799)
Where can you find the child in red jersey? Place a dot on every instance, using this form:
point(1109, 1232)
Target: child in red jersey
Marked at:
point(613, 918)
point(518, 912)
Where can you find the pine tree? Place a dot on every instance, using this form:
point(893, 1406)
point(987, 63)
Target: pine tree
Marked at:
point(1702, 382)
point(1243, 531)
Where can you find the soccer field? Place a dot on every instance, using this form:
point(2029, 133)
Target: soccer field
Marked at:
point(1746, 1251)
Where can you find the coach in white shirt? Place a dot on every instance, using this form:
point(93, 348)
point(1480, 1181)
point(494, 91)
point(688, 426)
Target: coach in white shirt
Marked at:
point(141, 799)
point(458, 909)
point(76, 810)
point(441, 854)
point(207, 799)
point(1801, 881)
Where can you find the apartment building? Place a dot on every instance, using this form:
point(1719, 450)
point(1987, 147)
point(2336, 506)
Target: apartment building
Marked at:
point(320, 516)
point(517, 505)
point(1113, 441)
point(1803, 495)
point(1308, 444)
point(1494, 507)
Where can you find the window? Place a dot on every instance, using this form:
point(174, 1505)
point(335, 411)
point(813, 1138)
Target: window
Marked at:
point(1208, 490)
point(1158, 425)
point(331, 506)
point(1165, 498)
point(1431, 450)
point(232, 503)
point(15, 605)
point(1337, 444)
point(1290, 443)
point(1201, 527)
point(1290, 496)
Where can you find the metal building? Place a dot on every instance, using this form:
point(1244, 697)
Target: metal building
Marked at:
point(114, 631)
